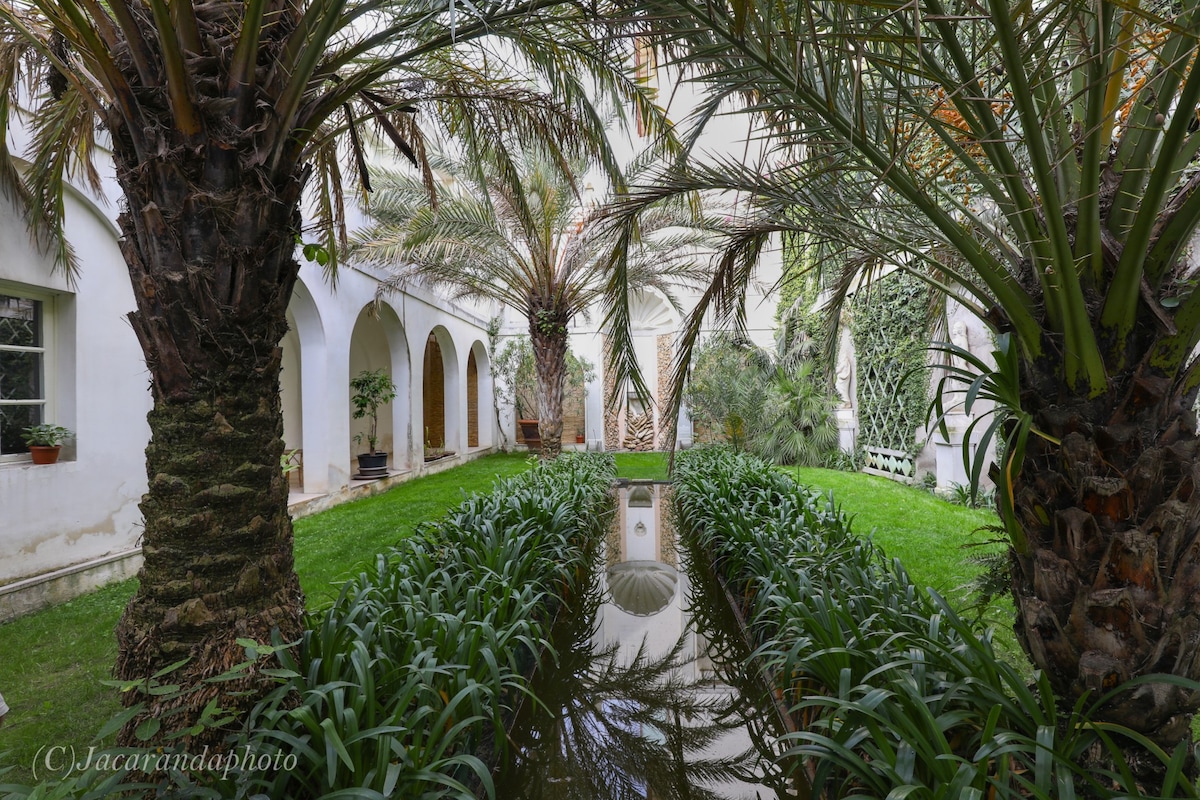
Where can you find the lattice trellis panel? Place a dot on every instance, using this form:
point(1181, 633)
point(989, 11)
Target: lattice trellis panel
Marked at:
point(889, 463)
point(890, 344)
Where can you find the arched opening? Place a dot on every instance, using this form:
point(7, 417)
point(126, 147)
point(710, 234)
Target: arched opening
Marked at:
point(443, 406)
point(370, 351)
point(483, 391)
point(291, 397)
point(630, 423)
point(434, 395)
point(402, 376)
point(303, 386)
point(472, 401)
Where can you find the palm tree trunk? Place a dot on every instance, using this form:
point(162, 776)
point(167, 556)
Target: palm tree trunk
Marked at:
point(548, 335)
point(209, 253)
point(1109, 587)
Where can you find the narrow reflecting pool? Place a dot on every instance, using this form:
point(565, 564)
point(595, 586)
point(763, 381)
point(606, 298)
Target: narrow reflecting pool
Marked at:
point(634, 707)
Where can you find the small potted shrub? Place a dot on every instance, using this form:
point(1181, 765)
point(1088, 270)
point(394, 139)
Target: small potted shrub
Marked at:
point(434, 452)
point(530, 431)
point(45, 441)
point(372, 389)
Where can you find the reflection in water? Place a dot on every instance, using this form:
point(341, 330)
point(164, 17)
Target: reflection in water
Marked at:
point(632, 708)
point(642, 588)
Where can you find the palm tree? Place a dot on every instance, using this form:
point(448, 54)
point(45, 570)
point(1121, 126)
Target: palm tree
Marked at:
point(793, 422)
point(218, 115)
point(512, 227)
point(797, 424)
point(1038, 162)
point(771, 401)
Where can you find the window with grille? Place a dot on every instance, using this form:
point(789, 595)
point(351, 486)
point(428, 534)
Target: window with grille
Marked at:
point(22, 370)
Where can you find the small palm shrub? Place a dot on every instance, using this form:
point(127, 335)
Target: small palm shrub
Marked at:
point(772, 403)
point(962, 495)
point(891, 692)
point(405, 686)
point(796, 425)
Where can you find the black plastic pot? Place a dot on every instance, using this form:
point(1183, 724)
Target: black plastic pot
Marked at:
point(372, 465)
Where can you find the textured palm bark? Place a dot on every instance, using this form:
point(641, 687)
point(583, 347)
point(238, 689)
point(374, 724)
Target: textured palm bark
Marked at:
point(208, 237)
point(217, 542)
point(218, 538)
point(549, 340)
point(1109, 587)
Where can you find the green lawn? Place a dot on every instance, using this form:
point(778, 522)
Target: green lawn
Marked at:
point(50, 671)
point(52, 662)
point(642, 466)
point(331, 545)
point(924, 532)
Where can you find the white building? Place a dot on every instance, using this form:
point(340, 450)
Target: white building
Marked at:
point(69, 357)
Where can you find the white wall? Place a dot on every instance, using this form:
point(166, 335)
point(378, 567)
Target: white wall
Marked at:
point(85, 506)
point(726, 136)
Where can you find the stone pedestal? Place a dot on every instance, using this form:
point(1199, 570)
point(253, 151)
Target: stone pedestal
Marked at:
point(950, 469)
point(847, 425)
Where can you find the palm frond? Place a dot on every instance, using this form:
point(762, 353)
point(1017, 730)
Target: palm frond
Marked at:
point(330, 209)
point(996, 126)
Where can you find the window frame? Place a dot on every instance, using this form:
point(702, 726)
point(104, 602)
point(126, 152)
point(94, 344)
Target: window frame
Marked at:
point(47, 352)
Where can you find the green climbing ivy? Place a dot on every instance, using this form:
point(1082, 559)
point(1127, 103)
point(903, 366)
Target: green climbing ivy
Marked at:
point(798, 282)
point(806, 267)
point(889, 324)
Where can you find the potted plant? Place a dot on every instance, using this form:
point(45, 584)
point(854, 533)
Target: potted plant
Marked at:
point(434, 452)
point(372, 389)
point(579, 436)
point(525, 399)
point(45, 441)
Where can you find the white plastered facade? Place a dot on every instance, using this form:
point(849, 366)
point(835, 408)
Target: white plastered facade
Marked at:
point(68, 527)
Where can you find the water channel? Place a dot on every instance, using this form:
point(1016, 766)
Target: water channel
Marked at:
point(638, 704)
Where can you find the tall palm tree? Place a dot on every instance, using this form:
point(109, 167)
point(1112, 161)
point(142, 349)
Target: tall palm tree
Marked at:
point(513, 227)
point(219, 115)
point(1038, 161)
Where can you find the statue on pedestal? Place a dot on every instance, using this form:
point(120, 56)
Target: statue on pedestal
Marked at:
point(844, 379)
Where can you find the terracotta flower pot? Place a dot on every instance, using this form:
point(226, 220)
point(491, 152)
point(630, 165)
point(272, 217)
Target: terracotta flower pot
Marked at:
point(531, 434)
point(43, 454)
